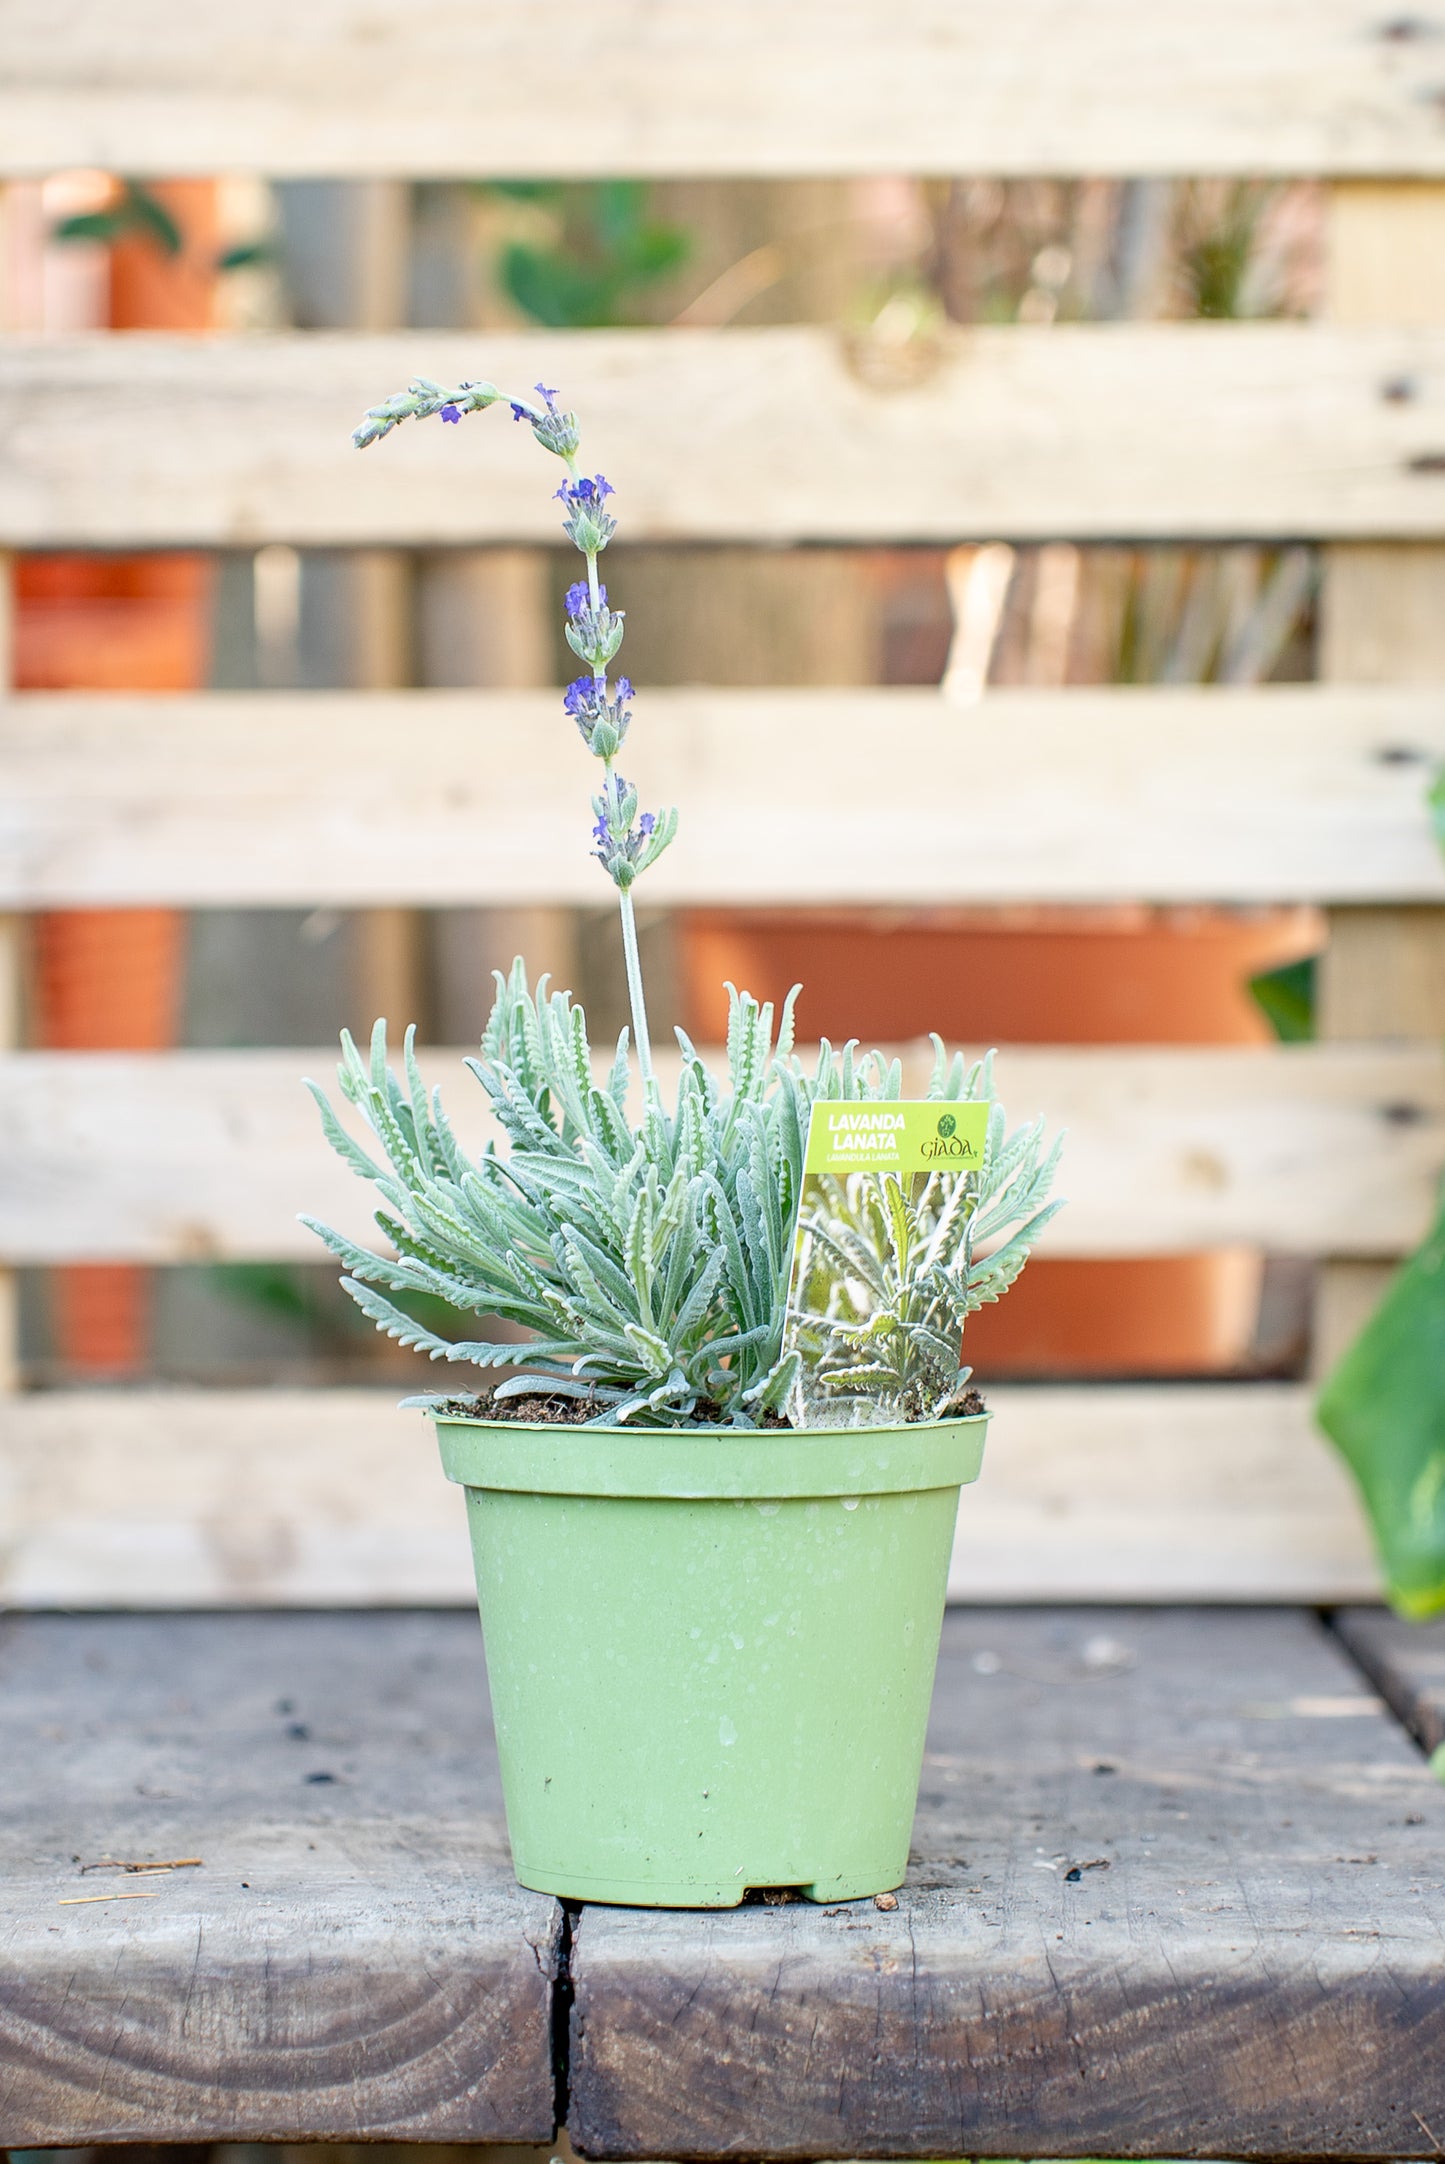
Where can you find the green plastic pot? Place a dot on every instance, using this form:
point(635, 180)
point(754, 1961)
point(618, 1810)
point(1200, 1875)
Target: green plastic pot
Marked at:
point(711, 1657)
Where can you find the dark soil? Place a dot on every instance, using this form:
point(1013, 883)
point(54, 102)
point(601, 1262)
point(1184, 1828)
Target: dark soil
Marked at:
point(547, 1408)
point(544, 1409)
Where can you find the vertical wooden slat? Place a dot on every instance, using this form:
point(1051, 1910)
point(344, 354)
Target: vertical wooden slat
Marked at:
point(484, 622)
point(346, 246)
point(1382, 622)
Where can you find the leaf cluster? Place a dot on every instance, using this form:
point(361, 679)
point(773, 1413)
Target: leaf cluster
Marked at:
point(890, 1267)
point(648, 1261)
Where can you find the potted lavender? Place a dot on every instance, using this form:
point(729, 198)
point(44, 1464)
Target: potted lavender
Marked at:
point(712, 1514)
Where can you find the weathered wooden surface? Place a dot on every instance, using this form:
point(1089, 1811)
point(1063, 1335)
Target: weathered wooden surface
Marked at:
point(1299, 86)
point(1199, 430)
point(201, 1156)
point(1406, 1662)
point(1100, 1492)
point(303, 800)
point(1246, 1961)
point(353, 1958)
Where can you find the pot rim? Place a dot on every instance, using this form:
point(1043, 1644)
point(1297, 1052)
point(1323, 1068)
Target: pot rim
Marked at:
point(725, 1465)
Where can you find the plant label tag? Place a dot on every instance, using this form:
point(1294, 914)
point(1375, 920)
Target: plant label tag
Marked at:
point(873, 1312)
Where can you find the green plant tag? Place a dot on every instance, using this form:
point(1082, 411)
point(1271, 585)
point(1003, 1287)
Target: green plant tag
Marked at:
point(911, 1135)
point(874, 1312)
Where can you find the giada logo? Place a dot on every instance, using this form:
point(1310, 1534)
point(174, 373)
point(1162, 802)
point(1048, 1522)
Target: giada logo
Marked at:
point(949, 1144)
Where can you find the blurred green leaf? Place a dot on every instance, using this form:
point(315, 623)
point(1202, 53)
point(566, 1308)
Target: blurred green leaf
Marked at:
point(608, 251)
point(285, 1294)
point(148, 215)
point(521, 191)
point(1384, 1409)
point(246, 255)
point(309, 1302)
point(1286, 999)
point(1216, 258)
point(101, 225)
point(137, 213)
point(551, 289)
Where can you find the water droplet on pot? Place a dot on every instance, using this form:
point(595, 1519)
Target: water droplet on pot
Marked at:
point(726, 1732)
point(850, 1502)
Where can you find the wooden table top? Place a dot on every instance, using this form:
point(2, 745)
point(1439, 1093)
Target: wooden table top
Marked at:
point(1178, 1888)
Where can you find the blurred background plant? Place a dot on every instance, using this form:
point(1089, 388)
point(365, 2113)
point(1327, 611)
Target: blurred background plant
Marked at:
point(599, 254)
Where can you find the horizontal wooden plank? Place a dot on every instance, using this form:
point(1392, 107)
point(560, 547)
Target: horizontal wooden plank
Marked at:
point(779, 435)
point(197, 1156)
point(1405, 1662)
point(1169, 795)
point(333, 1497)
point(1175, 1890)
point(930, 85)
point(351, 1957)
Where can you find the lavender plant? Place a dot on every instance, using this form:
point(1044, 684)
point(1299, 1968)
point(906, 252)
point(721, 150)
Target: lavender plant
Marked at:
point(649, 1262)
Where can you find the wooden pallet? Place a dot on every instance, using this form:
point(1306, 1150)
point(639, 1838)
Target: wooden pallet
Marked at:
point(1329, 431)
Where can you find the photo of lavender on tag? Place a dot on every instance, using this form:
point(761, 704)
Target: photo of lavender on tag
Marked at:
point(881, 1260)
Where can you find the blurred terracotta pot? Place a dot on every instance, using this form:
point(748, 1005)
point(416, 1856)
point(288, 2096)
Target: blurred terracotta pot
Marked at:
point(86, 623)
point(1015, 976)
point(1033, 976)
point(111, 980)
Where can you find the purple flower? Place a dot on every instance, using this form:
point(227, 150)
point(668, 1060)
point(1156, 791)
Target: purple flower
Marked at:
point(599, 832)
point(624, 690)
point(451, 413)
point(646, 823)
point(550, 396)
point(519, 413)
point(585, 491)
point(578, 598)
point(577, 698)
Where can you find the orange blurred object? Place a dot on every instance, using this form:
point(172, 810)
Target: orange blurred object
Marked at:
point(126, 623)
point(1126, 975)
point(1017, 976)
point(100, 1317)
point(107, 980)
point(1149, 1315)
point(153, 291)
point(110, 980)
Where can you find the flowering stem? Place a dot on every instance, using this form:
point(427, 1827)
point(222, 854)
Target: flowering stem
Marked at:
point(627, 844)
point(634, 990)
point(630, 951)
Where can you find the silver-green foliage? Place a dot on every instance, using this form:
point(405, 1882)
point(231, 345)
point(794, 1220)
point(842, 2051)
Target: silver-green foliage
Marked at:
point(650, 1262)
point(891, 1268)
